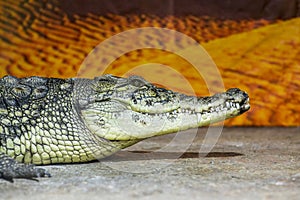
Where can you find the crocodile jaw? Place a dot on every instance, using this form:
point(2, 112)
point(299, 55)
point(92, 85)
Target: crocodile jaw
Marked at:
point(119, 119)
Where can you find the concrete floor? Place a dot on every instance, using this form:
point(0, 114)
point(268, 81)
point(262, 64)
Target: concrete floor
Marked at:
point(246, 163)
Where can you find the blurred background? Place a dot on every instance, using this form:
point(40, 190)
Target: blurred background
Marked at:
point(254, 43)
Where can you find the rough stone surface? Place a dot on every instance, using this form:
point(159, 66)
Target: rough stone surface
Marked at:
point(246, 163)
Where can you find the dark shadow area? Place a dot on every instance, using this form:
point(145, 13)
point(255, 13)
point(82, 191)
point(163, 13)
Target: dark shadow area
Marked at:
point(234, 9)
point(148, 155)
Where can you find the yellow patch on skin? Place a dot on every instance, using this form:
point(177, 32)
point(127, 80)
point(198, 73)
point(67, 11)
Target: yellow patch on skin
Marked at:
point(18, 113)
point(33, 130)
point(65, 138)
point(57, 126)
point(77, 148)
point(46, 162)
point(54, 141)
point(75, 158)
point(47, 148)
point(27, 144)
point(15, 122)
point(68, 159)
point(40, 149)
point(19, 158)
point(75, 143)
point(3, 111)
point(23, 149)
point(45, 132)
point(5, 122)
point(57, 130)
point(61, 147)
point(24, 120)
point(33, 140)
point(76, 152)
point(38, 139)
point(33, 148)
point(27, 157)
point(54, 160)
point(45, 141)
point(17, 150)
point(52, 154)
point(45, 156)
point(27, 112)
point(10, 143)
point(11, 153)
point(52, 132)
point(64, 153)
point(36, 159)
point(70, 148)
point(58, 154)
point(58, 137)
point(68, 143)
point(51, 125)
point(54, 147)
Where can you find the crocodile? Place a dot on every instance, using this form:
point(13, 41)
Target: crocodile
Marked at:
point(52, 120)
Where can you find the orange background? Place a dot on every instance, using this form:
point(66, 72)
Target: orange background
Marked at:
point(259, 56)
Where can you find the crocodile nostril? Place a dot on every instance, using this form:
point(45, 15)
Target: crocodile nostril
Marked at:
point(246, 96)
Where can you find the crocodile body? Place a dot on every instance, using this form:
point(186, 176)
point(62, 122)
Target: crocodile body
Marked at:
point(50, 120)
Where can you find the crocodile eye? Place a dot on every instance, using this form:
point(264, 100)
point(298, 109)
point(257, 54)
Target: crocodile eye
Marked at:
point(137, 82)
point(104, 85)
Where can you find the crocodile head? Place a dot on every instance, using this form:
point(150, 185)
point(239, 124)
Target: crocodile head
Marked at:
point(131, 108)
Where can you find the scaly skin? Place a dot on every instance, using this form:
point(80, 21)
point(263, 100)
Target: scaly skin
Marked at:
point(48, 120)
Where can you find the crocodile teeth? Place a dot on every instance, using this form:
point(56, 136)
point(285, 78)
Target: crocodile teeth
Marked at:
point(227, 104)
point(199, 117)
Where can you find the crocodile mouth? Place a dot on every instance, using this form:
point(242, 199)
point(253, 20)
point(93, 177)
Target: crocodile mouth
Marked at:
point(244, 106)
point(119, 120)
point(225, 107)
point(232, 101)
